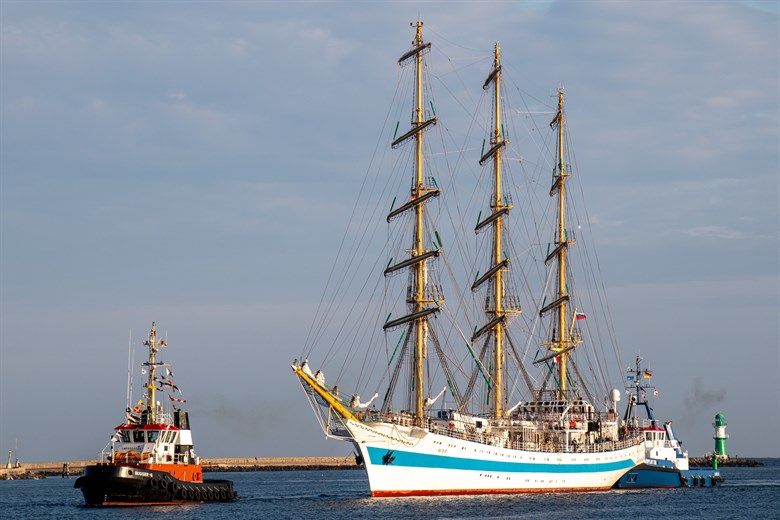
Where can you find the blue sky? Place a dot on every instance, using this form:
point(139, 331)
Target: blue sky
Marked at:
point(196, 164)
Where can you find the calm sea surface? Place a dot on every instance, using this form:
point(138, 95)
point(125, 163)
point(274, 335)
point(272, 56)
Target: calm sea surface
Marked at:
point(749, 493)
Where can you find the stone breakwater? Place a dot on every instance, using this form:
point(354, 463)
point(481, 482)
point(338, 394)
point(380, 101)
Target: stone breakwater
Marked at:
point(74, 468)
point(278, 464)
point(734, 462)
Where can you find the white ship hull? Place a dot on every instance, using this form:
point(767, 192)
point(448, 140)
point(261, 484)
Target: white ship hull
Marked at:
point(402, 461)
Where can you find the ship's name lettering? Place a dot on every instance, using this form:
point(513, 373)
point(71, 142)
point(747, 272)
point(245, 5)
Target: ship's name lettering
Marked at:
point(131, 447)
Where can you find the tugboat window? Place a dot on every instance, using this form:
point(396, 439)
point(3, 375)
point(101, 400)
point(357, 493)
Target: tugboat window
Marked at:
point(138, 436)
point(125, 436)
point(153, 436)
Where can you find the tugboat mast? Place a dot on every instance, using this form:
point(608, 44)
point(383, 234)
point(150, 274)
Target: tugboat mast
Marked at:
point(151, 401)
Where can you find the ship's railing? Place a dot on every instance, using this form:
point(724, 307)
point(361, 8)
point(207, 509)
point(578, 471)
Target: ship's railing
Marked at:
point(107, 456)
point(545, 435)
point(553, 445)
point(552, 426)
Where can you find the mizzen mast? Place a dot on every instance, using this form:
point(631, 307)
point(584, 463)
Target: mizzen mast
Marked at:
point(417, 298)
point(500, 206)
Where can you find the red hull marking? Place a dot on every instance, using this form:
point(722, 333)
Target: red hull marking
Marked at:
point(124, 504)
point(439, 492)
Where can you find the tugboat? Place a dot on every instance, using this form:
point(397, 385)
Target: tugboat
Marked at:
point(150, 458)
point(666, 465)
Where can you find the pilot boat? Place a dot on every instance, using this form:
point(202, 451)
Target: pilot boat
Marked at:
point(666, 465)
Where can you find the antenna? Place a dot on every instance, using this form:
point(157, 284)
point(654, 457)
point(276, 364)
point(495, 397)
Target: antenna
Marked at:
point(129, 369)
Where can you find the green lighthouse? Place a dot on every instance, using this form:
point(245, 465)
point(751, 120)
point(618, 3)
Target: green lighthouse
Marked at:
point(720, 437)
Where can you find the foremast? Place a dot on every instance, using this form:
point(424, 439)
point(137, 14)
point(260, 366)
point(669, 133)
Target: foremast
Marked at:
point(418, 302)
point(500, 207)
point(563, 339)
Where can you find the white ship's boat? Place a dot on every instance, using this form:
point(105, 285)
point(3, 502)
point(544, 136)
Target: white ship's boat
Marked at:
point(514, 423)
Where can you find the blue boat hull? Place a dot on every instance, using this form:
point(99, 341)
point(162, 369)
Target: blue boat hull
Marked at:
point(645, 476)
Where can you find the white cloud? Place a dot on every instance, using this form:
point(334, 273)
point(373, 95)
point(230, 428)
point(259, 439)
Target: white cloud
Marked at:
point(722, 233)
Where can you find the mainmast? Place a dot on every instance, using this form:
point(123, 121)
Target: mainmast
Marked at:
point(563, 339)
point(417, 299)
point(500, 207)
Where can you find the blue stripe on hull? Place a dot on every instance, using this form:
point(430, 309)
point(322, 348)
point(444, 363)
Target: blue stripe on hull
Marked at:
point(379, 456)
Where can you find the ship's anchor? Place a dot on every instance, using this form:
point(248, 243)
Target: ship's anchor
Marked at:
point(388, 457)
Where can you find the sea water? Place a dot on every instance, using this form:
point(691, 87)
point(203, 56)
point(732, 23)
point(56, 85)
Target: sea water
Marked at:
point(749, 493)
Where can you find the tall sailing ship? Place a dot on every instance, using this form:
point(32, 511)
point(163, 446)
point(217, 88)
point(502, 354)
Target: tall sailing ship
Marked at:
point(559, 437)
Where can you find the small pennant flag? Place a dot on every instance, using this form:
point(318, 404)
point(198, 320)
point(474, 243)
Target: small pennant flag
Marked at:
point(579, 316)
point(655, 393)
point(647, 374)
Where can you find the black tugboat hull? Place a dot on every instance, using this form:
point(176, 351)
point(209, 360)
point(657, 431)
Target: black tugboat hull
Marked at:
point(130, 486)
